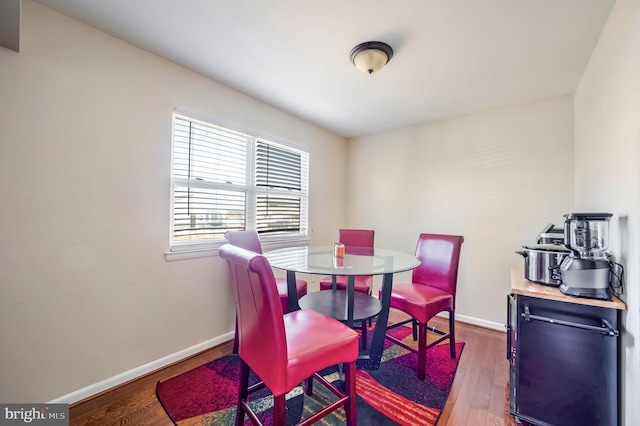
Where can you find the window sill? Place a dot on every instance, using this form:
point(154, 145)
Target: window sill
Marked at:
point(172, 256)
point(210, 250)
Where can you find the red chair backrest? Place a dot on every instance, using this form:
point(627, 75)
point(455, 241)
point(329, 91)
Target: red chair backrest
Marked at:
point(247, 239)
point(439, 256)
point(356, 238)
point(261, 335)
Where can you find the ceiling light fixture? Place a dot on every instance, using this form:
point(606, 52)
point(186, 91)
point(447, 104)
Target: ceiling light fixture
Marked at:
point(371, 56)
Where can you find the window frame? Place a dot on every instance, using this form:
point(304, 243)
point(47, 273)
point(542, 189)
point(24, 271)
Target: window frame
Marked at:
point(188, 249)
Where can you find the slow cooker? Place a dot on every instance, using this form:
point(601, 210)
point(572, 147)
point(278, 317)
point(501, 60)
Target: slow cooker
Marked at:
point(542, 263)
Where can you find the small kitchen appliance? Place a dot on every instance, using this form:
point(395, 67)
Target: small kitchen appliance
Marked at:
point(551, 235)
point(586, 272)
point(542, 263)
point(542, 260)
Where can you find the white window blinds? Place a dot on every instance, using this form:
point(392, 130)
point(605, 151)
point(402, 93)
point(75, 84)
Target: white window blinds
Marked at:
point(209, 173)
point(280, 184)
point(225, 180)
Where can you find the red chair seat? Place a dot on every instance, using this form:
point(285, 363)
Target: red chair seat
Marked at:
point(330, 343)
point(420, 301)
point(361, 283)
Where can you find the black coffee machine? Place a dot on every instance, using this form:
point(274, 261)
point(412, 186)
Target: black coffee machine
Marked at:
point(586, 272)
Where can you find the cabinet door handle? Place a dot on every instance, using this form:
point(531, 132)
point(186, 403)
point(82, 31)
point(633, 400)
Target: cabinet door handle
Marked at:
point(606, 328)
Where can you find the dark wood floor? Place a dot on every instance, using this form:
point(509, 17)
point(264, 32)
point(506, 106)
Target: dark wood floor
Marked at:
point(478, 396)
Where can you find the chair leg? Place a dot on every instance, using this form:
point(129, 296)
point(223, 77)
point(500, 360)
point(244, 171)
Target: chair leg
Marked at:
point(422, 350)
point(452, 334)
point(363, 342)
point(414, 329)
point(235, 339)
point(370, 320)
point(350, 390)
point(279, 406)
point(308, 385)
point(243, 392)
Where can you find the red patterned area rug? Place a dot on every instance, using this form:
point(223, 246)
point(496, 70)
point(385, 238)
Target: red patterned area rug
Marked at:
point(391, 395)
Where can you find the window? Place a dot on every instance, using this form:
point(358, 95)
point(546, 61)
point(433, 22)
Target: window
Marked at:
point(227, 180)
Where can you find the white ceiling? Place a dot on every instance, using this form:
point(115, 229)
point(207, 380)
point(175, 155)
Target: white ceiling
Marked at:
point(451, 57)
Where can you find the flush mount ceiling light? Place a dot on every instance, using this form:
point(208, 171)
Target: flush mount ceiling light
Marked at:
point(371, 56)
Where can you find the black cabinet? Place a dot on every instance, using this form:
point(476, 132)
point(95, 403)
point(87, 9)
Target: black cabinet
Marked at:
point(563, 362)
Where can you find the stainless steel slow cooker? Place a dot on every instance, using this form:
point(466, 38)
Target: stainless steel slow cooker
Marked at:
point(542, 263)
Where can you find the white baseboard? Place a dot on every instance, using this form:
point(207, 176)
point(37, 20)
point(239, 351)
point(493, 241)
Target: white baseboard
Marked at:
point(477, 321)
point(121, 378)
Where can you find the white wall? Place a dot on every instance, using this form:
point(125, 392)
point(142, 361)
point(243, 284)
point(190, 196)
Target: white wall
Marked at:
point(497, 178)
point(85, 143)
point(607, 167)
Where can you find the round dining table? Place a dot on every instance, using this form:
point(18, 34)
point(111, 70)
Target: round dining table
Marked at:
point(320, 260)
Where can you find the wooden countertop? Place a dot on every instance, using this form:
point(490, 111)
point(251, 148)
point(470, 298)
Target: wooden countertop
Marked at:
point(520, 285)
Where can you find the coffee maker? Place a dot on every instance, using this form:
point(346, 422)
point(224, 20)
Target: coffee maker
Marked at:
point(586, 271)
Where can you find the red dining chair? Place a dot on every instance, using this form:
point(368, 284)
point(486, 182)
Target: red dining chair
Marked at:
point(432, 290)
point(249, 240)
point(284, 350)
point(354, 240)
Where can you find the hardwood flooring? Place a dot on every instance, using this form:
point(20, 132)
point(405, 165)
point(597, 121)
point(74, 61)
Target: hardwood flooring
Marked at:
point(479, 395)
